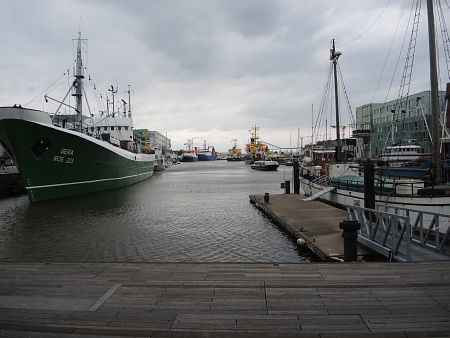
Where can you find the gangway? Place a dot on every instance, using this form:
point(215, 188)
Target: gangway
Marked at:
point(323, 183)
point(319, 194)
point(392, 235)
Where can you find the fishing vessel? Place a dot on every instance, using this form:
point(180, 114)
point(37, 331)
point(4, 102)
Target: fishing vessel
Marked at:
point(189, 156)
point(66, 155)
point(207, 153)
point(190, 153)
point(342, 183)
point(160, 160)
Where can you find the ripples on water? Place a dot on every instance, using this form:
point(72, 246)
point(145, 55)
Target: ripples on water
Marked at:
point(189, 212)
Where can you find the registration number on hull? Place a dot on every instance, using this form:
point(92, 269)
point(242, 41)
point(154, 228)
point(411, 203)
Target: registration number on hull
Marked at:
point(66, 156)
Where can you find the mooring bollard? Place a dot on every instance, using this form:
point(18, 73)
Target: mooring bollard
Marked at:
point(266, 197)
point(296, 177)
point(287, 187)
point(350, 235)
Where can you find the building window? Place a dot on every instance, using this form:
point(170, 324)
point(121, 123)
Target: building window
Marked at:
point(126, 128)
point(119, 128)
point(105, 128)
point(112, 128)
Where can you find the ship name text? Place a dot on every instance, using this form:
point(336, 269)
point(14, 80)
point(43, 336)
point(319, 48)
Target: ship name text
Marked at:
point(66, 151)
point(64, 159)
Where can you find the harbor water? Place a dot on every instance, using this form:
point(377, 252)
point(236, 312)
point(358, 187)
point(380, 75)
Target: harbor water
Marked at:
point(191, 212)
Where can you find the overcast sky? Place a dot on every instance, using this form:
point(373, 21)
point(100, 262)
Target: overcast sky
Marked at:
point(210, 69)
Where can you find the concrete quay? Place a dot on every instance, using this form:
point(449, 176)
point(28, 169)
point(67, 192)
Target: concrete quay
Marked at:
point(316, 224)
point(225, 299)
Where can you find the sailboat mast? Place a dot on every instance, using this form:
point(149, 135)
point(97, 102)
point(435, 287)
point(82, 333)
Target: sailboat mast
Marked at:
point(435, 112)
point(334, 56)
point(78, 83)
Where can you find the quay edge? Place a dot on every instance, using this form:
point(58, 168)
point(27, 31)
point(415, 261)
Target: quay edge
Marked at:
point(315, 223)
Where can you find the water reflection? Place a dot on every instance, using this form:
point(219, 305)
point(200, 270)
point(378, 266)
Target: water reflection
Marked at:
point(189, 212)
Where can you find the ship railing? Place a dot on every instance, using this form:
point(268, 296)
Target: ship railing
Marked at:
point(383, 232)
point(408, 189)
point(429, 229)
point(357, 185)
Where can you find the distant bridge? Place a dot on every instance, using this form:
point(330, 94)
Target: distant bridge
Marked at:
point(280, 148)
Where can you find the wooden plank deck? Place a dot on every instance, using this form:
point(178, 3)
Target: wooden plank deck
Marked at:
point(225, 299)
point(314, 222)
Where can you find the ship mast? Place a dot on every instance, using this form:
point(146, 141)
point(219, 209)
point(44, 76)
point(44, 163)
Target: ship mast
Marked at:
point(129, 101)
point(78, 83)
point(435, 112)
point(334, 56)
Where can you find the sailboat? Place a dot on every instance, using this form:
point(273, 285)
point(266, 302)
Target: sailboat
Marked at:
point(67, 155)
point(342, 183)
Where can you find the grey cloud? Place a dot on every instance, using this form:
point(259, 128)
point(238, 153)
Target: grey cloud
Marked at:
point(203, 65)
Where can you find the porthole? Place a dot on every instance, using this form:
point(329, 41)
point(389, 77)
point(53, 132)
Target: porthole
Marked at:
point(41, 147)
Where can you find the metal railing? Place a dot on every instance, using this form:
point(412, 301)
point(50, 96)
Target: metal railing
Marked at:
point(383, 232)
point(392, 234)
point(426, 227)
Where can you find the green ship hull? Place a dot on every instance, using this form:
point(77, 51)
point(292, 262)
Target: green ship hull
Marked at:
point(56, 162)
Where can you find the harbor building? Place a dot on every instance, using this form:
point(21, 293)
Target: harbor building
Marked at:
point(395, 122)
point(159, 140)
point(152, 140)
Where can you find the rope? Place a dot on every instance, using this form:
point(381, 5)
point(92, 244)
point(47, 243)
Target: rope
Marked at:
point(389, 50)
point(347, 101)
point(360, 35)
point(395, 70)
point(46, 89)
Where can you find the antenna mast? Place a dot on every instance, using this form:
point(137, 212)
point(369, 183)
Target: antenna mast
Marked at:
point(113, 92)
point(78, 83)
point(129, 101)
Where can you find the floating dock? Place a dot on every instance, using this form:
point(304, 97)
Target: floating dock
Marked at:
point(356, 299)
point(314, 223)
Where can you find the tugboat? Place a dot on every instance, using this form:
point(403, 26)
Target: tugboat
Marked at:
point(234, 154)
point(256, 150)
